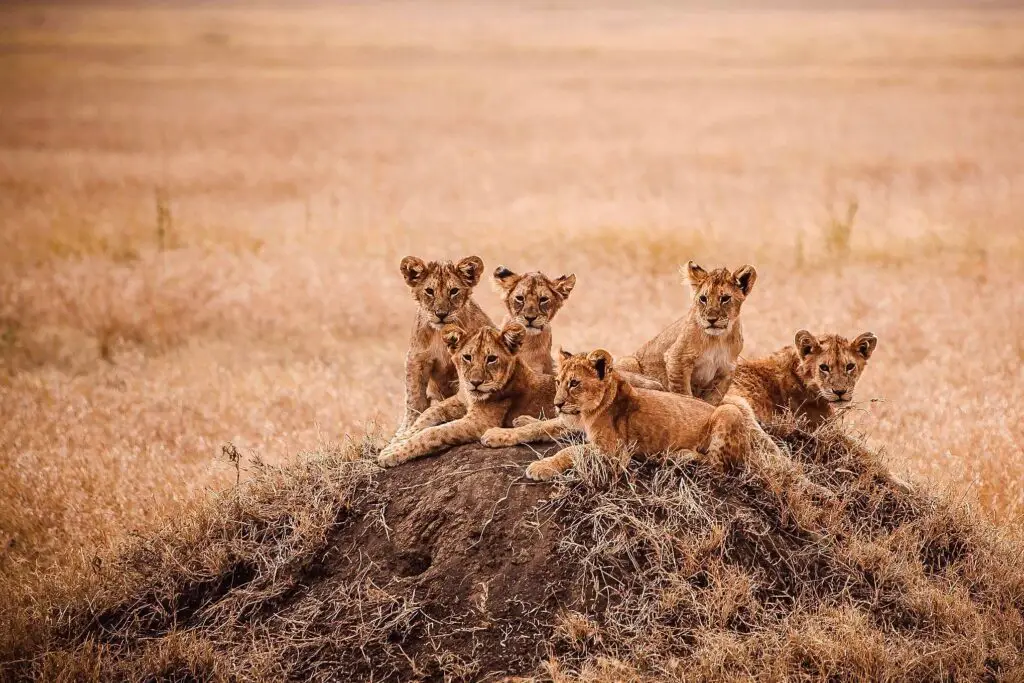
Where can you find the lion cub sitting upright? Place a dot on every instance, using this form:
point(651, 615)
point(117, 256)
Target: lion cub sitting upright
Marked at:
point(617, 415)
point(533, 300)
point(443, 291)
point(811, 378)
point(496, 388)
point(696, 355)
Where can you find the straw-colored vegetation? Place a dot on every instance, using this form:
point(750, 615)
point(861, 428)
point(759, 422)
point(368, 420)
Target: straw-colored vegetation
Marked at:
point(457, 569)
point(202, 214)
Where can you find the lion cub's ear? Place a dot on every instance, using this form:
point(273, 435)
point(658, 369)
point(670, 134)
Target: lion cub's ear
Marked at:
point(512, 336)
point(413, 270)
point(745, 278)
point(470, 269)
point(864, 344)
point(602, 362)
point(806, 344)
point(563, 354)
point(694, 274)
point(564, 284)
point(452, 336)
point(504, 280)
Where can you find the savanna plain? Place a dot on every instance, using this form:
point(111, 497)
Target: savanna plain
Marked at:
point(202, 212)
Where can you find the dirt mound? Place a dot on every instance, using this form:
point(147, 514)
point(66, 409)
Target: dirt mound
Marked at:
point(456, 567)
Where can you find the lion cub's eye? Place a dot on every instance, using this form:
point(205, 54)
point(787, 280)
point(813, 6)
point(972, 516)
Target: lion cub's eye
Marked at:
point(574, 383)
point(492, 359)
point(850, 367)
point(824, 367)
point(703, 299)
point(725, 298)
point(453, 291)
point(429, 291)
point(519, 298)
point(466, 357)
point(544, 299)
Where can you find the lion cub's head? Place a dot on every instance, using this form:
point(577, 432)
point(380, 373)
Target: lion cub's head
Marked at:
point(532, 300)
point(719, 295)
point(486, 360)
point(831, 365)
point(583, 380)
point(441, 288)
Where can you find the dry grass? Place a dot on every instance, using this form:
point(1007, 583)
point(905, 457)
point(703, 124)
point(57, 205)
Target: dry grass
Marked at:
point(202, 212)
point(673, 571)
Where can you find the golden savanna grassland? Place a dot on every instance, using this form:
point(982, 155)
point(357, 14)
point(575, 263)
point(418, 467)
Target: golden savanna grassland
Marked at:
point(202, 212)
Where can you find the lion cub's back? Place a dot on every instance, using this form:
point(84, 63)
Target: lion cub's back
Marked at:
point(538, 402)
point(666, 421)
point(653, 351)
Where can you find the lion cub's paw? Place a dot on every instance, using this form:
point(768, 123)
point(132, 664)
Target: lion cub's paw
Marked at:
point(542, 470)
point(388, 457)
point(524, 420)
point(498, 437)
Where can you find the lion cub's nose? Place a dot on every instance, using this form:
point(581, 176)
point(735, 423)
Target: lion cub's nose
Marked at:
point(441, 315)
point(476, 382)
point(839, 392)
point(529, 320)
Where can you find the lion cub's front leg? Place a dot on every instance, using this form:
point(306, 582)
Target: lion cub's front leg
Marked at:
point(535, 430)
point(433, 439)
point(550, 467)
point(451, 408)
point(417, 373)
point(679, 366)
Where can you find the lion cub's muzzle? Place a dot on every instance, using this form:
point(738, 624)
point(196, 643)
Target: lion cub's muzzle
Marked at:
point(563, 409)
point(533, 324)
point(439, 319)
point(715, 326)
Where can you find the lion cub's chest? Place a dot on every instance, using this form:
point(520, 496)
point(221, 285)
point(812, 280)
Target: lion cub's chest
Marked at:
point(443, 380)
point(436, 350)
point(715, 359)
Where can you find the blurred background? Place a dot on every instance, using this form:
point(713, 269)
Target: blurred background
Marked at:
point(203, 208)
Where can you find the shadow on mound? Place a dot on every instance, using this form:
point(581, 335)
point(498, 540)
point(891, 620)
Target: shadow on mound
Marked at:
point(456, 567)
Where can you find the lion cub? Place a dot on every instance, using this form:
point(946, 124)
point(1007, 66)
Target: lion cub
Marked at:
point(496, 388)
point(811, 378)
point(615, 415)
point(443, 291)
point(533, 300)
point(696, 355)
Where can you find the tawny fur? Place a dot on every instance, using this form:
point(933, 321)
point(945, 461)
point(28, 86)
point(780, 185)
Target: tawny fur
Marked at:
point(811, 378)
point(533, 300)
point(696, 355)
point(495, 389)
point(618, 417)
point(443, 292)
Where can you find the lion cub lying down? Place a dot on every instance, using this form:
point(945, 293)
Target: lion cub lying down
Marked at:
point(495, 388)
point(811, 378)
point(616, 415)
